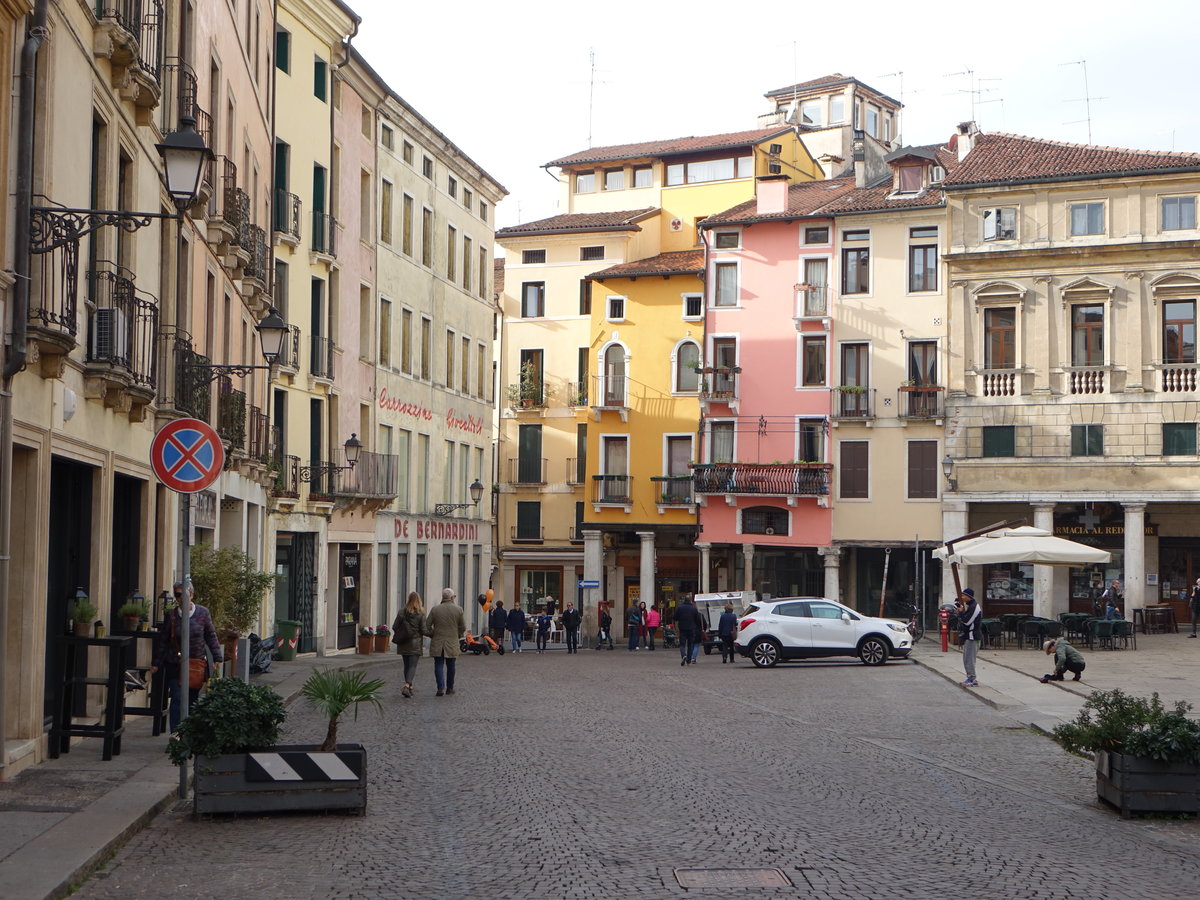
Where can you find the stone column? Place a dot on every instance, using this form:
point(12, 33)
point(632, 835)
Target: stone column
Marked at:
point(646, 568)
point(833, 571)
point(593, 570)
point(954, 524)
point(1135, 558)
point(705, 549)
point(1045, 604)
point(748, 567)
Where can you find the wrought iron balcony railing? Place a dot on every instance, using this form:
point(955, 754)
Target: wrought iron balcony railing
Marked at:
point(287, 476)
point(610, 488)
point(673, 490)
point(921, 401)
point(769, 479)
point(526, 470)
point(324, 233)
point(286, 214)
point(374, 476)
point(853, 401)
point(320, 361)
point(231, 413)
point(289, 350)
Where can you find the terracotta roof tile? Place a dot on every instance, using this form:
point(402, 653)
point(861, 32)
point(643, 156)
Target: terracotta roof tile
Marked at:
point(1010, 158)
point(670, 147)
point(803, 199)
point(678, 262)
point(621, 220)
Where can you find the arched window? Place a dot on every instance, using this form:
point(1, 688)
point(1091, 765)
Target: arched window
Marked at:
point(614, 376)
point(687, 359)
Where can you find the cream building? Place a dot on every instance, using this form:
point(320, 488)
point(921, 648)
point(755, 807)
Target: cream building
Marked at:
point(1073, 370)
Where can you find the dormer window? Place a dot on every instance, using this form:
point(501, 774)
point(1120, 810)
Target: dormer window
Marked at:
point(810, 113)
point(910, 179)
point(937, 175)
point(837, 109)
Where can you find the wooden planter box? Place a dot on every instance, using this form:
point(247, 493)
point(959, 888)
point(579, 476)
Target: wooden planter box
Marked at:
point(1135, 784)
point(284, 779)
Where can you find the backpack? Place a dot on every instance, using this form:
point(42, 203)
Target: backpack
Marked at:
point(402, 632)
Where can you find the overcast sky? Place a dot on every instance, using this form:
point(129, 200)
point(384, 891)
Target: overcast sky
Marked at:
point(509, 83)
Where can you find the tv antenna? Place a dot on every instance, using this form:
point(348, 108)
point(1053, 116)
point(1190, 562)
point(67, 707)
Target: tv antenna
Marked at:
point(974, 90)
point(1086, 99)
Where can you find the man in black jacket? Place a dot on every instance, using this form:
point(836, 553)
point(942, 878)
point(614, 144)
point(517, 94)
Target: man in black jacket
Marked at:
point(690, 626)
point(497, 621)
point(571, 620)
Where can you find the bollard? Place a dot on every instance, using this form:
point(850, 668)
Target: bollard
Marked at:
point(944, 622)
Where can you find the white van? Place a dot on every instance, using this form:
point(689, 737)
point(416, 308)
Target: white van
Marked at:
point(711, 606)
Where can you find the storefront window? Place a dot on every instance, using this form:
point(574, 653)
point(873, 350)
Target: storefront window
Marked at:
point(537, 585)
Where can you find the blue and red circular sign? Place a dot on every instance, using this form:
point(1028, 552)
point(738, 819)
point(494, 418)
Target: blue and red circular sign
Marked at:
point(187, 455)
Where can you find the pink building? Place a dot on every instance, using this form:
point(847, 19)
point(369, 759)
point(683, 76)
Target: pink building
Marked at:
point(763, 474)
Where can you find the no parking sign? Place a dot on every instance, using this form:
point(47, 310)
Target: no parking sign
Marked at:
point(187, 455)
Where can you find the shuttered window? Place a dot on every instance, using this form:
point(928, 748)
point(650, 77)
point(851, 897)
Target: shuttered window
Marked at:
point(922, 470)
point(853, 475)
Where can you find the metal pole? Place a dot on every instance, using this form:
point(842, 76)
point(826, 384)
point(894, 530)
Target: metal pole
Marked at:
point(185, 630)
point(887, 558)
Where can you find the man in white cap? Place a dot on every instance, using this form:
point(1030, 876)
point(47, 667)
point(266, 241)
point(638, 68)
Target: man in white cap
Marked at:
point(1065, 657)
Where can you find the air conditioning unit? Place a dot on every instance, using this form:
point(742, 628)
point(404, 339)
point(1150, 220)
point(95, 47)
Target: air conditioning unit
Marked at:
point(110, 335)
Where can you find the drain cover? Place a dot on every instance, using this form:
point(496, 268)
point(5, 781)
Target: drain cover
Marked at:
point(731, 878)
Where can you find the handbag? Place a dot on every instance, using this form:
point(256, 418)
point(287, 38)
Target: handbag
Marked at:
point(197, 673)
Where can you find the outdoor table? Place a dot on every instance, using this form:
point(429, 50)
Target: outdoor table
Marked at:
point(1160, 618)
point(1012, 623)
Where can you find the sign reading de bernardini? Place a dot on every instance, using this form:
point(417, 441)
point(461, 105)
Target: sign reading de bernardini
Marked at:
point(1082, 531)
point(421, 530)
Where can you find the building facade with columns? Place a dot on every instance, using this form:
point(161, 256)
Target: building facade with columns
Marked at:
point(1073, 373)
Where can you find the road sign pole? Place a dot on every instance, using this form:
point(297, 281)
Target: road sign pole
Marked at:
point(185, 631)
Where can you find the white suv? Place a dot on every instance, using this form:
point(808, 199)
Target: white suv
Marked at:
point(810, 627)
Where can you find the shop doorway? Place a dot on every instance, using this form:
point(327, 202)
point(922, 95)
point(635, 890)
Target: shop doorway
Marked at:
point(68, 558)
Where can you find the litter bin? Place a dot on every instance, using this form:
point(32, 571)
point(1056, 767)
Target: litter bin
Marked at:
point(289, 637)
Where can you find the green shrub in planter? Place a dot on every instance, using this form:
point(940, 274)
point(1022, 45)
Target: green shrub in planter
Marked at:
point(1116, 722)
point(333, 691)
point(231, 717)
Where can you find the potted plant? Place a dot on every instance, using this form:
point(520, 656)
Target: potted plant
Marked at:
point(527, 392)
point(366, 639)
point(83, 613)
point(853, 388)
point(132, 614)
point(383, 636)
point(231, 738)
point(230, 584)
point(1147, 756)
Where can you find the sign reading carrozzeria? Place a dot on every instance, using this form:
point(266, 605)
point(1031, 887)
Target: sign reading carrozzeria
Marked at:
point(423, 530)
point(454, 419)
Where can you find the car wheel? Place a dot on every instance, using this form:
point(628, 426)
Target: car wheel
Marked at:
point(764, 653)
point(707, 650)
point(873, 651)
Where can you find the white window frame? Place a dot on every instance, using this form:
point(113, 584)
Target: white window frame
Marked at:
point(699, 297)
point(675, 388)
point(708, 444)
point(996, 226)
point(825, 433)
point(608, 307)
point(735, 233)
point(737, 300)
point(1162, 198)
point(1071, 206)
point(800, 339)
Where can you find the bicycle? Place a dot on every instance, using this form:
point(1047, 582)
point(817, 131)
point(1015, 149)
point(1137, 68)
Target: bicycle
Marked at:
point(915, 629)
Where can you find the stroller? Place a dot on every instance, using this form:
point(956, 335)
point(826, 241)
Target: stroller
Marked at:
point(484, 644)
point(670, 639)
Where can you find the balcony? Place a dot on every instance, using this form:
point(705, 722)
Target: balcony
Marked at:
point(221, 217)
point(719, 385)
point(519, 534)
point(231, 414)
point(1177, 378)
point(610, 393)
point(54, 295)
point(763, 479)
point(129, 35)
point(813, 301)
point(673, 490)
point(527, 394)
point(999, 382)
point(577, 394)
point(575, 470)
point(285, 217)
point(121, 363)
point(920, 401)
point(526, 470)
point(324, 235)
point(853, 402)
point(256, 275)
point(611, 489)
point(259, 434)
point(321, 480)
point(320, 359)
point(287, 477)
point(374, 477)
point(178, 95)
point(289, 350)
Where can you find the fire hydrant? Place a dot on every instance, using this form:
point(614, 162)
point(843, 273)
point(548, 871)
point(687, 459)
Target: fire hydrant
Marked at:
point(944, 623)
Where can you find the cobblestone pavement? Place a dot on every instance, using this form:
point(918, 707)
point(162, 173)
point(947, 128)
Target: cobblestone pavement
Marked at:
point(597, 775)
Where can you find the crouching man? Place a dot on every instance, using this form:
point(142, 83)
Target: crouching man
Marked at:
point(1065, 657)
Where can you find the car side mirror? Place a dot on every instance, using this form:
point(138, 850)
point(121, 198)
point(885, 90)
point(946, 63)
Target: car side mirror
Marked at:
point(846, 618)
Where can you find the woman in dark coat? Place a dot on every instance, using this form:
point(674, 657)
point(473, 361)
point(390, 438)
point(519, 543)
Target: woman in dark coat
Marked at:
point(408, 636)
point(516, 626)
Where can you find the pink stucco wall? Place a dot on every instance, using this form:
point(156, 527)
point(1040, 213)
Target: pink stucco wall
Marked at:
point(768, 353)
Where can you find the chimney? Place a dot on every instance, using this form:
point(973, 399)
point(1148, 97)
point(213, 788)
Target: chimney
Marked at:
point(965, 138)
point(771, 192)
point(859, 155)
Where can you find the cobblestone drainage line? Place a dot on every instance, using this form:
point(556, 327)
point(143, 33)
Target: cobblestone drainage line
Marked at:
point(731, 878)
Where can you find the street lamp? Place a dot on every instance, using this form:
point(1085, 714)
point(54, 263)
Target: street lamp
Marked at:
point(353, 448)
point(271, 331)
point(476, 491)
point(184, 154)
point(948, 472)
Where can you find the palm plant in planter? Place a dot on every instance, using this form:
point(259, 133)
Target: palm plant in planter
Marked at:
point(1147, 756)
point(333, 691)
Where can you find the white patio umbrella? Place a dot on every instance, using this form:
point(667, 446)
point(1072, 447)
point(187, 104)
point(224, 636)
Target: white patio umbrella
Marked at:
point(1023, 544)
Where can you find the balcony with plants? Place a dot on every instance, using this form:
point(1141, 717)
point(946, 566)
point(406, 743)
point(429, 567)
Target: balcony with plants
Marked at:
point(673, 490)
point(529, 392)
point(775, 479)
point(920, 401)
point(854, 402)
